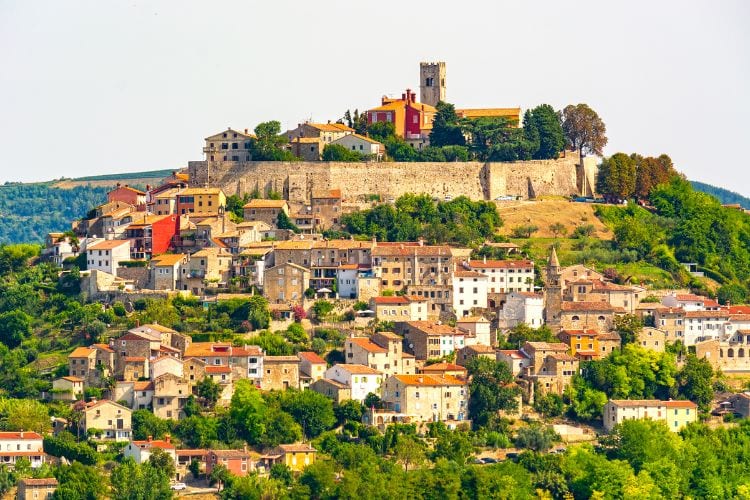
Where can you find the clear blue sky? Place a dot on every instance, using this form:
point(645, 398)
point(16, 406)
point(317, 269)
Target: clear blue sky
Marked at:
point(103, 86)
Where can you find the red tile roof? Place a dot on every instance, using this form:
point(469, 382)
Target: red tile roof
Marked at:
point(311, 357)
point(501, 264)
point(19, 435)
point(366, 344)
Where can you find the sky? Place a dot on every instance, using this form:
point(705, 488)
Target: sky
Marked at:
point(97, 87)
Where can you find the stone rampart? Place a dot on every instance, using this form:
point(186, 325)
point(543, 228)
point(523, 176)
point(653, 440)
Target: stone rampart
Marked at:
point(477, 180)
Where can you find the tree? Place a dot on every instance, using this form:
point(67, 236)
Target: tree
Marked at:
point(584, 130)
point(318, 477)
point(446, 130)
point(312, 410)
point(616, 177)
point(537, 438)
point(281, 428)
point(163, 462)
point(558, 229)
point(296, 334)
point(409, 451)
point(337, 152)
point(629, 326)
point(146, 424)
point(524, 231)
point(281, 472)
point(322, 308)
point(15, 326)
point(208, 391)
point(695, 381)
point(79, 482)
point(195, 468)
point(732, 293)
point(247, 411)
point(219, 474)
point(348, 411)
point(549, 405)
point(267, 146)
point(197, 431)
point(542, 126)
point(491, 390)
point(284, 222)
point(24, 414)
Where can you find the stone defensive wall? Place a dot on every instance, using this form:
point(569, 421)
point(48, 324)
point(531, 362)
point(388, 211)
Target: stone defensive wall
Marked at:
point(477, 180)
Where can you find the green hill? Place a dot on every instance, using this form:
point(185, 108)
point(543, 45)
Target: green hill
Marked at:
point(725, 196)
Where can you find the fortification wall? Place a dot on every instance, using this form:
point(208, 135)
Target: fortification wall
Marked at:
point(477, 180)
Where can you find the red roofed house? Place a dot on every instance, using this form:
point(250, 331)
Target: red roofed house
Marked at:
point(36, 489)
point(399, 308)
point(597, 316)
point(427, 339)
point(427, 398)
point(311, 367)
point(326, 208)
point(360, 379)
point(412, 120)
point(15, 445)
point(515, 359)
point(444, 369)
point(107, 255)
point(238, 462)
point(151, 235)
point(129, 195)
point(383, 352)
point(67, 388)
point(140, 451)
point(110, 419)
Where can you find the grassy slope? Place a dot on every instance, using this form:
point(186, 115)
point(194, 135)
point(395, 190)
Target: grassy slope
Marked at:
point(547, 212)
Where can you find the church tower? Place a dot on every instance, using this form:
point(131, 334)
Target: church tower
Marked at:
point(431, 82)
point(553, 291)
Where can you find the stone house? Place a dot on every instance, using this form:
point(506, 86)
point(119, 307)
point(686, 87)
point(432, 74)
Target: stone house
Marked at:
point(597, 316)
point(82, 363)
point(551, 367)
point(280, 373)
point(516, 360)
point(286, 283)
point(134, 368)
point(265, 211)
point(522, 307)
point(109, 418)
point(583, 290)
point(325, 133)
point(732, 355)
point(427, 339)
point(170, 395)
point(306, 148)
point(399, 308)
point(336, 391)
point(36, 489)
point(652, 339)
point(671, 320)
point(326, 208)
point(207, 268)
point(129, 195)
point(138, 395)
point(427, 398)
point(166, 271)
point(383, 351)
point(469, 352)
point(578, 272)
point(676, 414)
point(166, 364)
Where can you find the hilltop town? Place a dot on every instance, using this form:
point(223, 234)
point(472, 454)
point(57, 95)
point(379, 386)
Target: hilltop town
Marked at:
point(341, 300)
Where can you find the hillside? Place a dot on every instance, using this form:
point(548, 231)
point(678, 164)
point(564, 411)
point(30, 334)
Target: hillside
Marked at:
point(131, 178)
point(725, 196)
point(29, 211)
point(544, 213)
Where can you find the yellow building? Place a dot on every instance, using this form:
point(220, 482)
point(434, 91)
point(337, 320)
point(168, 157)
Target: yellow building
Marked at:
point(295, 456)
point(201, 202)
point(676, 414)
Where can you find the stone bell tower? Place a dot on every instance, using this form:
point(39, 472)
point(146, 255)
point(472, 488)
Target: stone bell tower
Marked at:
point(431, 82)
point(553, 291)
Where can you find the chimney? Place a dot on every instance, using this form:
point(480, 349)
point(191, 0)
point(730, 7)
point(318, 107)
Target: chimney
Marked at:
point(420, 380)
point(245, 131)
point(413, 97)
point(403, 97)
point(150, 438)
point(168, 438)
point(484, 259)
point(118, 184)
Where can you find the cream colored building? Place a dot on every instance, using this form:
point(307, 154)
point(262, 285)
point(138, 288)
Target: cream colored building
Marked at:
point(399, 308)
point(652, 339)
point(427, 398)
point(265, 211)
point(676, 414)
point(383, 352)
point(109, 418)
point(229, 145)
point(68, 388)
point(207, 268)
point(201, 202)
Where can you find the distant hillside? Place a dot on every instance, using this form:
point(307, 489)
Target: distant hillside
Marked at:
point(725, 196)
point(29, 211)
point(136, 179)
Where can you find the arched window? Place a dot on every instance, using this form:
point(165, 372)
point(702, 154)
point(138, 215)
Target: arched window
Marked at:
point(741, 353)
point(575, 318)
point(721, 353)
point(730, 353)
point(601, 318)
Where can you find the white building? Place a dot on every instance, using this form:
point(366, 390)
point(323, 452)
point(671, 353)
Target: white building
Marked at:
point(361, 380)
point(690, 302)
point(522, 307)
point(166, 364)
point(705, 325)
point(362, 145)
point(505, 276)
point(477, 327)
point(469, 292)
point(140, 451)
point(346, 280)
point(106, 255)
point(15, 445)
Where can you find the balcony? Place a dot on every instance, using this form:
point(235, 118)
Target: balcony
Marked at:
point(212, 149)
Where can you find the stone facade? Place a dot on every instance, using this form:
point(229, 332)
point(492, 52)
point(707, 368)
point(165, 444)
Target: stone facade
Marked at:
point(477, 180)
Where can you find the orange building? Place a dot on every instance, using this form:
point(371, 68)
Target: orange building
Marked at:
point(412, 120)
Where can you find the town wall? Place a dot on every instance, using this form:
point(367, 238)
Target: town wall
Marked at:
point(477, 180)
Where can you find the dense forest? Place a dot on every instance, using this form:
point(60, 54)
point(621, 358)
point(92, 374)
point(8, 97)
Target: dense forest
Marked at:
point(29, 211)
point(725, 196)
